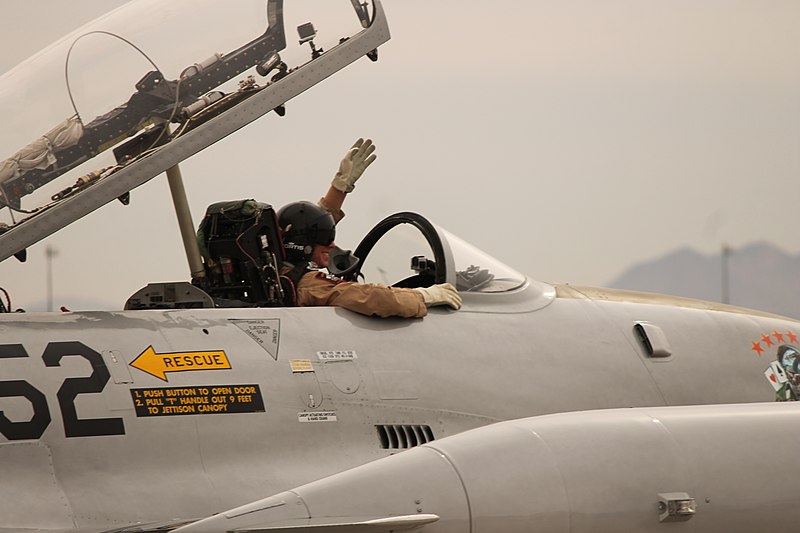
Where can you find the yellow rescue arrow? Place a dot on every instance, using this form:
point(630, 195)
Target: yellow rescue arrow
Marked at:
point(158, 364)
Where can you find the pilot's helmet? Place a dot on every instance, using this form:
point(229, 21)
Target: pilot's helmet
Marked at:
point(304, 225)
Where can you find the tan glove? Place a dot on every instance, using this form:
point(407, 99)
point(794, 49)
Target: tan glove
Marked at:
point(443, 294)
point(355, 162)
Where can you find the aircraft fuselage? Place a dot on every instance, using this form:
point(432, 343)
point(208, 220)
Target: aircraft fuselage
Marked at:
point(118, 412)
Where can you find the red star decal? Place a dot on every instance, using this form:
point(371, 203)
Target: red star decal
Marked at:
point(757, 347)
point(767, 340)
point(778, 336)
point(792, 337)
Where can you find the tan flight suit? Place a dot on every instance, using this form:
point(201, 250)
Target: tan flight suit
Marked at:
point(337, 214)
point(317, 289)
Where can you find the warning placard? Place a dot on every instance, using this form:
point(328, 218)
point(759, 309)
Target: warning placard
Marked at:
point(266, 332)
point(301, 365)
point(317, 416)
point(337, 355)
point(198, 400)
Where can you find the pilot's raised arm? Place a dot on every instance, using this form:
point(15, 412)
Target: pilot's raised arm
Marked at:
point(353, 164)
point(308, 232)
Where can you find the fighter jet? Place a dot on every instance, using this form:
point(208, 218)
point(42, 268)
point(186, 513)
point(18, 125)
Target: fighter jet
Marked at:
point(204, 397)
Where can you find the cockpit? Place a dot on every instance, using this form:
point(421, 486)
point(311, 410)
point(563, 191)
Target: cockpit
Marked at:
point(123, 100)
point(242, 256)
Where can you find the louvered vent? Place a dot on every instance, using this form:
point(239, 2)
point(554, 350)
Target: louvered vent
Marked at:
point(400, 437)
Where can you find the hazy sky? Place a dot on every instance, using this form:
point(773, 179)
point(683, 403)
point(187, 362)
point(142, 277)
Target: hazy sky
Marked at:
point(569, 139)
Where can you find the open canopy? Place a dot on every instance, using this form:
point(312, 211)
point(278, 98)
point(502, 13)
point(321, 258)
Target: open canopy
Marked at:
point(135, 92)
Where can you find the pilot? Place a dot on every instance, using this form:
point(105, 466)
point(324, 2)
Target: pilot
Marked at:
point(308, 232)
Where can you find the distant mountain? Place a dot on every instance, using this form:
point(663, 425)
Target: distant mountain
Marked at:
point(762, 276)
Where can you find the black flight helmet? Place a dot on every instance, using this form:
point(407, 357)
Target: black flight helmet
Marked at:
point(305, 225)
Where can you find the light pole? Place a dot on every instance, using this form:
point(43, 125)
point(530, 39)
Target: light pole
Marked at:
point(726, 278)
point(50, 253)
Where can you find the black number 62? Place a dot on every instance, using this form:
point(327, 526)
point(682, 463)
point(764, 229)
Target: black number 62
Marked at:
point(70, 389)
